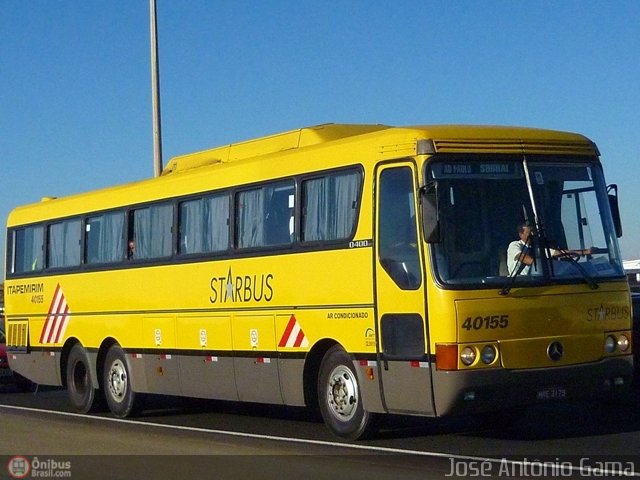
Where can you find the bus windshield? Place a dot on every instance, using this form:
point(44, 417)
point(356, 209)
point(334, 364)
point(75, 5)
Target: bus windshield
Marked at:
point(485, 201)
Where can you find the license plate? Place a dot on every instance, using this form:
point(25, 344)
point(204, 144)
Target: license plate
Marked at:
point(552, 393)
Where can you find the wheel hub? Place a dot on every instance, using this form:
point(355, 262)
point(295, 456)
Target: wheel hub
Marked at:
point(117, 381)
point(342, 394)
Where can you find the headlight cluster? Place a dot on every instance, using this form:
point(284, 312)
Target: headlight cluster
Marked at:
point(487, 354)
point(618, 342)
point(454, 356)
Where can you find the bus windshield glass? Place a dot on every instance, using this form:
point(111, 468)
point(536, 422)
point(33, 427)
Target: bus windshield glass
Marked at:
point(485, 202)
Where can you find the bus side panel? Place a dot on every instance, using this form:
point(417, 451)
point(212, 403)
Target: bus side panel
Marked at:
point(255, 363)
point(207, 376)
point(257, 379)
point(39, 367)
point(161, 369)
point(291, 381)
point(137, 373)
point(161, 372)
point(369, 384)
point(409, 376)
point(207, 371)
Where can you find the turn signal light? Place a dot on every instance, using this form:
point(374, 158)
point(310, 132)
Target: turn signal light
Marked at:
point(446, 356)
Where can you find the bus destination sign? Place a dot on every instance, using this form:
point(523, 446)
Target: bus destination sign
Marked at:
point(476, 170)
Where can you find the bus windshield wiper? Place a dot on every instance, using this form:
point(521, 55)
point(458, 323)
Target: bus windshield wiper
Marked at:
point(567, 256)
point(512, 279)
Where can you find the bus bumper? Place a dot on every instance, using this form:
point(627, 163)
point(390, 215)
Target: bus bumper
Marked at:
point(461, 392)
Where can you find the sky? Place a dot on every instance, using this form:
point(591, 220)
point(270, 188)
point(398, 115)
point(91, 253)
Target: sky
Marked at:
point(75, 94)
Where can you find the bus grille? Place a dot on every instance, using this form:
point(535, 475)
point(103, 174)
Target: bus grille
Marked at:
point(515, 146)
point(17, 336)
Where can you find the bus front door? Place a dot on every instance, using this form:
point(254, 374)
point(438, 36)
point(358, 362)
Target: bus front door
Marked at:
point(403, 359)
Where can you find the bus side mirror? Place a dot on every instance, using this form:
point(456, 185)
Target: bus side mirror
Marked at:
point(612, 193)
point(429, 213)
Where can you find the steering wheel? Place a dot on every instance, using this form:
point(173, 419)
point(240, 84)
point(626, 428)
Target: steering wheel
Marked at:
point(567, 255)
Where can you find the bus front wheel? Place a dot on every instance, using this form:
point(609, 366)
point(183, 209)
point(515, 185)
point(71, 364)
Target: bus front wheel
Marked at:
point(121, 399)
point(339, 397)
point(80, 389)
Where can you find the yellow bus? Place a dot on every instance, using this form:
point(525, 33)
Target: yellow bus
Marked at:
point(360, 269)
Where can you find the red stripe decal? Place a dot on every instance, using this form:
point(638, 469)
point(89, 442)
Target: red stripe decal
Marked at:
point(299, 339)
point(287, 332)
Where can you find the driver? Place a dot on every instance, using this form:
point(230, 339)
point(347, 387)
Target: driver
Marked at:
point(521, 251)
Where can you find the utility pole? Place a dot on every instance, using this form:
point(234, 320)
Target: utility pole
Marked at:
point(155, 91)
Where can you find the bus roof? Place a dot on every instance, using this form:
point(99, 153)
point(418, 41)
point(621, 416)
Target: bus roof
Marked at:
point(189, 173)
point(449, 138)
point(300, 138)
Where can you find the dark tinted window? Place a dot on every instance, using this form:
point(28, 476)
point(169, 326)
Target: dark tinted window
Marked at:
point(27, 249)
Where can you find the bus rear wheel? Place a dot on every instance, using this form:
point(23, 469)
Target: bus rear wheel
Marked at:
point(339, 397)
point(80, 391)
point(121, 399)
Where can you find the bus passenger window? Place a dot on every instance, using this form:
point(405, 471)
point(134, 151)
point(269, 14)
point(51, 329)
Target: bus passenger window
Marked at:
point(278, 224)
point(398, 240)
point(330, 206)
point(27, 249)
point(63, 246)
point(204, 225)
point(104, 238)
point(263, 216)
point(150, 232)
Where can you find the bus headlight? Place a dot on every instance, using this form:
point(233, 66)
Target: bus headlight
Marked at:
point(623, 343)
point(610, 344)
point(468, 356)
point(488, 354)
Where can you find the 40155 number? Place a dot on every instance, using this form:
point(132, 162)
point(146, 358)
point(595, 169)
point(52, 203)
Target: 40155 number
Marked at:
point(489, 322)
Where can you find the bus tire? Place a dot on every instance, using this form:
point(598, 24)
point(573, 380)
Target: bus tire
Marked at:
point(80, 391)
point(122, 400)
point(339, 397)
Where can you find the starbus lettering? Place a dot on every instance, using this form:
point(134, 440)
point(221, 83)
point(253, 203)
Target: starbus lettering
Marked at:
point(606, 313)
point(241, 288)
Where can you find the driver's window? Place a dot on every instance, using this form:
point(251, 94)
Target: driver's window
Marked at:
point(581, 220)
point(398, 241)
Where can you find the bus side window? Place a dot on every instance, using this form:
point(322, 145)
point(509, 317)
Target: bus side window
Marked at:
point(63, 246)
point(330, 206)
point(150, 234)
point(204, 225)
point(398, 236)
point(28, 249)
point(104, 237)
point(263, 215)
point(278, 215)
